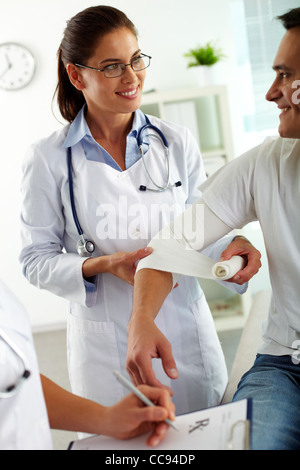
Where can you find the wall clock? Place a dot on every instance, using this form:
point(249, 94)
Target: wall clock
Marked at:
point(17, 66)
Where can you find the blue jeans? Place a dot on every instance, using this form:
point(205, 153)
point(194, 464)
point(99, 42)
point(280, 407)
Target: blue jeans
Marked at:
point(273, 383)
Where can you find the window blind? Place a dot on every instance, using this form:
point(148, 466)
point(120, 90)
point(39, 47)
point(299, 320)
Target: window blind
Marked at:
point(263, 36)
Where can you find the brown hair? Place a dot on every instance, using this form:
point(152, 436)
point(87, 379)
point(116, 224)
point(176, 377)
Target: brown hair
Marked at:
point(291, 19)
point(81, 36)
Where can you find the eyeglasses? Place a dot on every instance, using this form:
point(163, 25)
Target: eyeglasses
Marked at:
point(116, 70)
point(19, 374)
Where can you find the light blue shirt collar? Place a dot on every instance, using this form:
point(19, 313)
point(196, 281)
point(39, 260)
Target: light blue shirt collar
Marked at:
point(79, 129)
point(80, 132)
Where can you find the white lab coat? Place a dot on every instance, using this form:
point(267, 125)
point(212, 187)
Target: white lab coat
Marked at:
point(97, 323)
point(23, 418)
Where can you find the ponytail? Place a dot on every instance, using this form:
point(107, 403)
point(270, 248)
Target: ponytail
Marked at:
point(69, 99)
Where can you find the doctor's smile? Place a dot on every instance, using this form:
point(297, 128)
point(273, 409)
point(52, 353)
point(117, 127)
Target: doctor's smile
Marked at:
point(130, 94)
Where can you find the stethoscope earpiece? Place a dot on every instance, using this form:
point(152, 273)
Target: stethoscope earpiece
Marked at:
point(175, 185)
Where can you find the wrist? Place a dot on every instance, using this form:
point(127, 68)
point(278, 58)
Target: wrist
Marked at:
point(96, 418)
point(99, 422)
point(140, 318)
point(93, 266)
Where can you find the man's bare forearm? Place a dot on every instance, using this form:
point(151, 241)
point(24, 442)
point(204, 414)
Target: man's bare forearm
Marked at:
point(145, 341)
point(151, 287)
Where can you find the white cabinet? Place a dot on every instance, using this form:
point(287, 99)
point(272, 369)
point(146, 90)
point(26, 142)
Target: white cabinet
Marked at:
point(205, 111)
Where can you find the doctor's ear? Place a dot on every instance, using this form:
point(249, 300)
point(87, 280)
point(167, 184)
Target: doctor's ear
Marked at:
point(75, 76)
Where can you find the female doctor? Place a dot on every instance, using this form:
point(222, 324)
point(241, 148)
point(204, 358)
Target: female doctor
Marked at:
point(101, 76)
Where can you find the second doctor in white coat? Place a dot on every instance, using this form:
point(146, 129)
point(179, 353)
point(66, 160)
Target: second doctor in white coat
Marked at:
point(102, 109)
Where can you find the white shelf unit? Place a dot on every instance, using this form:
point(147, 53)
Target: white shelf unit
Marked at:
point(211, 113)
point(210, 124)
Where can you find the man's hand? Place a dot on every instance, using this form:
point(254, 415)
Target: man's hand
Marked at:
point(146, 342)
point(242, 247)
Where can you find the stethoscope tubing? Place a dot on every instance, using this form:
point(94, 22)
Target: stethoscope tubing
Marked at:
point(71, 192)
point(159, 188)
point(14, 388)
point(83, 242)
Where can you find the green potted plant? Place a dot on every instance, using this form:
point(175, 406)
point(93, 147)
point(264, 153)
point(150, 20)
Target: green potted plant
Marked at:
point(204, 57)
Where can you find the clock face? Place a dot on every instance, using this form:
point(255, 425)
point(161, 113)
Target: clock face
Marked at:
point(16, 66)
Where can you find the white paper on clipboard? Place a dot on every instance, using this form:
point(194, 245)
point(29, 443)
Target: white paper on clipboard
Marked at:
point(225, 427)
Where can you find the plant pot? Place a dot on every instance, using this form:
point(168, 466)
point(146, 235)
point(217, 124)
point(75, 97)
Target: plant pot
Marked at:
point(206, 75)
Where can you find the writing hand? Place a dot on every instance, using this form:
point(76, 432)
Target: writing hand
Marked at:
point(130, 417)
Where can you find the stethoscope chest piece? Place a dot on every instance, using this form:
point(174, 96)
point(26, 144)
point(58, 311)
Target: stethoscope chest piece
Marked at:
point(85, 247)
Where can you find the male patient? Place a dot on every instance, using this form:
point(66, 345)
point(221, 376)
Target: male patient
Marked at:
point(263, 185)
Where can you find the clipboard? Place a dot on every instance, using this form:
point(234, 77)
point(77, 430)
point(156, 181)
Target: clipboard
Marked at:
point(225, 427)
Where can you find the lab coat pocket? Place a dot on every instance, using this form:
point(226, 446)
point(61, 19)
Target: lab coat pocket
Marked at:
point(92, 357)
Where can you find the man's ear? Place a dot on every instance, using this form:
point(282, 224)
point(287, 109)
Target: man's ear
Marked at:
point(75, 76)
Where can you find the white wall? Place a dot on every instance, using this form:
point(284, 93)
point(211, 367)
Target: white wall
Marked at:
point(167, 29)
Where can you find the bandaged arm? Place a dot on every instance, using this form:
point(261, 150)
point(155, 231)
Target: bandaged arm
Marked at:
point(176, 248)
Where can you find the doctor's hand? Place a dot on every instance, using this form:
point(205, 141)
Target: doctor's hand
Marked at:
point(242, 247)
point(130, 417)
point(123, 265)
point(146, 342)
point(127, 418)
point(120, 264)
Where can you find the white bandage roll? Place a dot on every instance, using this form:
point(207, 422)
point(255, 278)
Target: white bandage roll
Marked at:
point(227, 269)
point(173, 257)
point(176, 248)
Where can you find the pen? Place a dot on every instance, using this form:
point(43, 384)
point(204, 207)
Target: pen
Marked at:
point(140, 395)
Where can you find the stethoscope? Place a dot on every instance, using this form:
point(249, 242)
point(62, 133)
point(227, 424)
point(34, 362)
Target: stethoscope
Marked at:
point(87, 247)
point(12, 389)
point(140, 141)
point(84, 247)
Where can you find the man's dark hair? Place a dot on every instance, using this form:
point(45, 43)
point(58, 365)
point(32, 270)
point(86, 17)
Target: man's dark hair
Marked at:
point(291, 19)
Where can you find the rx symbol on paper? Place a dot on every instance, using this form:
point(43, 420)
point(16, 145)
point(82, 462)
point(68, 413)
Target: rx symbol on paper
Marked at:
point(199, 425)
